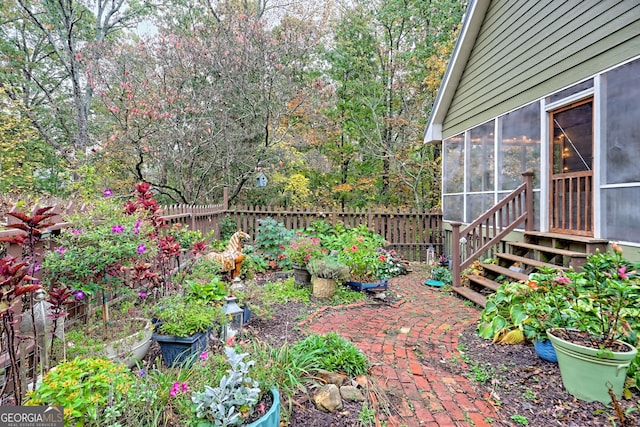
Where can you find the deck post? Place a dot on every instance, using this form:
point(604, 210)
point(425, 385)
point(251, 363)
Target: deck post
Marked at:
point(528, 200)
point(455, 252)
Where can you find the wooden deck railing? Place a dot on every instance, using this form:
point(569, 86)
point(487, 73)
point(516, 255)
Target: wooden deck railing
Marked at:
point(471, 242)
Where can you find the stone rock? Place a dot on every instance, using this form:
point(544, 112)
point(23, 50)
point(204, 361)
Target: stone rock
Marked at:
point(362, 381)
point(351, 393)
point(380, 295)
point(328, 399)
point(332, 378)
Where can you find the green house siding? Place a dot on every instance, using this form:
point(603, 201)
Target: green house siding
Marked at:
point(528, 49)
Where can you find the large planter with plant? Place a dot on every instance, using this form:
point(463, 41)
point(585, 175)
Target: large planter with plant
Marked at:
point(182, 328)
point(177, 350)
point(589, 373)
point(325, 273)
point(594, 360)
point(132, 348)
point(299, 252)
point(233, 402)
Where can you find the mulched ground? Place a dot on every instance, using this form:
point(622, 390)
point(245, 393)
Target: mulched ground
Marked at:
point(521, 385)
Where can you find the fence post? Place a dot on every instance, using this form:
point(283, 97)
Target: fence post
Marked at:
point(225, 198)
point(528, 199)
point(192, 217)
point(455, 252)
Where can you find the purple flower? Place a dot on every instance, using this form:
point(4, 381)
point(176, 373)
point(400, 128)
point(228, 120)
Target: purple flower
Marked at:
point(204, 355)
point(142, 248)
point(117, 229)
point(136, 228)
point(76, 231)
point(142, 294)
point(60, 250)
point(36, 267)
point(79, 295)
point(107, 192)
point(142, 373)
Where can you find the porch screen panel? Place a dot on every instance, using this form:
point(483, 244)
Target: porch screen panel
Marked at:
point(453, 208)
point(480, 173)
point(477, 204)
point(453, 164)
point(620, 207)
point(519, 146)
point(622, 120)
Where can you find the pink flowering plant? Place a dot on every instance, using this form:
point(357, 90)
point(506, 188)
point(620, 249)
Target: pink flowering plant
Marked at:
point(610, 300)
point(303, 249)
point(359, 249)
point(602, 299)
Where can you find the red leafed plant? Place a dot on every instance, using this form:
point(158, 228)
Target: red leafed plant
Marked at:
point(18, 284)
point(14, 282)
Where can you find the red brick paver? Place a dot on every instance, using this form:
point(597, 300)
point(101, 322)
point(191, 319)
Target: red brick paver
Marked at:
point(409, 343)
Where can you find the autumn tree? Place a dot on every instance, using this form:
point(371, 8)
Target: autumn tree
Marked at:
point(45, 45)
point(194, 111)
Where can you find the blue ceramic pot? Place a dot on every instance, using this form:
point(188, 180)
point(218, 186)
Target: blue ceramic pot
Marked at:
point(544, 350)
point(272, 417)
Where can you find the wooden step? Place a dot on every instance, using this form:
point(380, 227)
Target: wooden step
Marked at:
point(567, 237)
point(529, 261)
point(483, 281)
point(471, 295)
point(549, 250)
point(515, 275)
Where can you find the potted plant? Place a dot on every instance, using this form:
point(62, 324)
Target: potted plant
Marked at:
point(325, 273)
point(593, 358)
point(182, 327)
point(233, 402)
point(126, 338)
point(300, 251)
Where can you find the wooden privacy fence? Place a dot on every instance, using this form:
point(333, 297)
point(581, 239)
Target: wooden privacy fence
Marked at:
point(409, 232)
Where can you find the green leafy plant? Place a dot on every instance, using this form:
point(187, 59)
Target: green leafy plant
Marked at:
point(271, 239)
point(333, 353)
point(211, 291)
point(95, 251)
point(608, 301)
point(282, 368)
point(328, 267)
point(180, 317)
point(228, 226)
point(526, 310)
point(185, 237)
point(85, 387)
point(232, 401)
point(520, 419)
point(359, 252)
point(442, 274)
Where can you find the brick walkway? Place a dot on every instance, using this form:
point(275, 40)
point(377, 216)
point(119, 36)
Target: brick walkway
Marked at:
point(409, 344)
